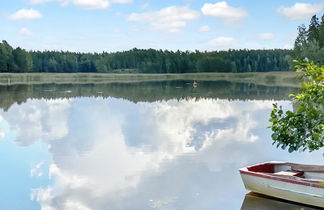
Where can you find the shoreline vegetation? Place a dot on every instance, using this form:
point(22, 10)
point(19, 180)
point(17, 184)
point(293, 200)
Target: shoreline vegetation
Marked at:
point(287, 79)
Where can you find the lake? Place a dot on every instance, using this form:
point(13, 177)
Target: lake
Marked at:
point(149, 145)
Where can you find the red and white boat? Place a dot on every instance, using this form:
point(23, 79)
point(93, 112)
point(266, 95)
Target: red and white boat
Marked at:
point(289, 181)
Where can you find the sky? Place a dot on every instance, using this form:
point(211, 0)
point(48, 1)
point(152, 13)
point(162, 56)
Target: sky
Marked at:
point(117, 25)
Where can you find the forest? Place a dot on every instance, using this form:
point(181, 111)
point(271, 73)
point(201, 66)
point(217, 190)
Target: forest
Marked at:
point(308, 44)
point(142, 61)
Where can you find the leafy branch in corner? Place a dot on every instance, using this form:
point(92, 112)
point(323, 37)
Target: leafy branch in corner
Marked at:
point(303, 127)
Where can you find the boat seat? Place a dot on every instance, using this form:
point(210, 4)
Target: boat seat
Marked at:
point(289, 173)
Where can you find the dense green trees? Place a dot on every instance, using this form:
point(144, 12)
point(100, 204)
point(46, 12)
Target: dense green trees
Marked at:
point(14, 60)
point(158, 61)
point(143, 61)
point(23, 60)
point(310, 41)
point(6, 57)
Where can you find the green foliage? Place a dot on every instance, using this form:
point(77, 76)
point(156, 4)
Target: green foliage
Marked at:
point(302, 128)
point(310, 41)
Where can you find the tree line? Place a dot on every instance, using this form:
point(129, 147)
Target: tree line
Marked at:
point(143, 61)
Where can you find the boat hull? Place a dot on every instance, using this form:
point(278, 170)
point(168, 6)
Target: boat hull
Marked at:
point(284, 189)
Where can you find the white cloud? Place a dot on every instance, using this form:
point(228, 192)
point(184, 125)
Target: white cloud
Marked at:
point(26, 14)
point(44, 196)
point(171, 19)
point(2, 135)
point(266, 36)
point(36, 170)
point(25, 31)
point(221, 10)
point(86, 4)
point(122, 1)
point(222, 42)
point(204, 29)
point(91, 4)
point(300, 11)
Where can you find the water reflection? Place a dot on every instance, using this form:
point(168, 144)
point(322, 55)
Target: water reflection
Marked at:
point(256, 201)
point(110, 153)
point(146, 91)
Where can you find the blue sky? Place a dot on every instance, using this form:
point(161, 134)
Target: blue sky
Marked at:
point(115, 25)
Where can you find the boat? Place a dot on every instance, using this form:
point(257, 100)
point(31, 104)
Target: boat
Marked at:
point(194, 84)
point(289, 181)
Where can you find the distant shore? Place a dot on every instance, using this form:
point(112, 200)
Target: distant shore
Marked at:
point(289, 79)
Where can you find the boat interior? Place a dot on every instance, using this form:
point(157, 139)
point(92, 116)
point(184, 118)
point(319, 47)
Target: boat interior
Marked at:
point(311, 173)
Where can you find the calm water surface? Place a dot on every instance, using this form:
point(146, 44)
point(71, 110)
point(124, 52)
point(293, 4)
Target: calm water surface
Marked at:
point(137, 146)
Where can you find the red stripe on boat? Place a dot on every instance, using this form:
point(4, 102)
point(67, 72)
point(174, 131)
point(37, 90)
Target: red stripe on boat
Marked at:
point(258, 174)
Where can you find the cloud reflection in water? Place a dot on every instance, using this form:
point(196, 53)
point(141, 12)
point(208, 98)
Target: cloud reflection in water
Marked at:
point(114, 154)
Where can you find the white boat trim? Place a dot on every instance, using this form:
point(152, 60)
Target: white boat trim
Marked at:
point(299, 192)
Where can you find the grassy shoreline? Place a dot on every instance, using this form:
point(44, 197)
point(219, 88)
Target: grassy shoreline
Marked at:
point(289, 79)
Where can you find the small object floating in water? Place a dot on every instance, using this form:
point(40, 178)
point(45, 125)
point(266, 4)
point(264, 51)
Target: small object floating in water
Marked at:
point(289, 181)
point(68, 91)
point(194, 84)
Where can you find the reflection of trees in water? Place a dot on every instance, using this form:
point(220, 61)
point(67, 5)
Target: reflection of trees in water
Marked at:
point(143, 92)
point(254, 201)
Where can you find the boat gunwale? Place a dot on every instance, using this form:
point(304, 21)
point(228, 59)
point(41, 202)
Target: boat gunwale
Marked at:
point(246, 171)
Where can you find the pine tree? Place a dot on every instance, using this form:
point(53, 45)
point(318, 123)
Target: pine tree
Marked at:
point(301, 39)
point(313, 30)
point(321, 33)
